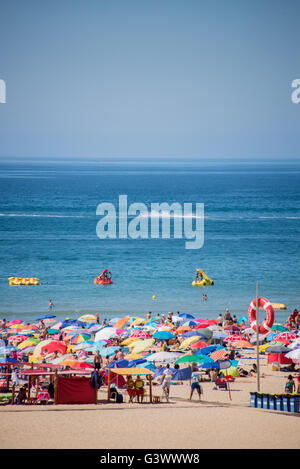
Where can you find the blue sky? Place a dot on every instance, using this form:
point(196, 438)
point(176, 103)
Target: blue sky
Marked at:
point(159, 78)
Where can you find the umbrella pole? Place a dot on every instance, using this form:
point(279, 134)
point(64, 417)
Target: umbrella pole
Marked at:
point(227, 382)
point(108, 386)
point(257, 339)
point(150, 390)
point(55, 387)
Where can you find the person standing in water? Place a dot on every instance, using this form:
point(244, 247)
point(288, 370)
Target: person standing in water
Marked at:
point(50, 305)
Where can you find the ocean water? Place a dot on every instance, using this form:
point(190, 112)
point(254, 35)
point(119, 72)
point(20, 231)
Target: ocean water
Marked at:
point(48, 230)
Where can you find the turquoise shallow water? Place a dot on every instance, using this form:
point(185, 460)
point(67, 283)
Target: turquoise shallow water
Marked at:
point(48, 229)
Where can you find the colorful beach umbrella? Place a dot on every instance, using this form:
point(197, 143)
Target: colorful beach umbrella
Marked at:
point(193, 358)
point(219, 354)
point(28, 343)
point(14, 322)
point(187, 342)
point(17, 338)
point(54, 346)
point(233, 337)
point(82, 337)
point(75, 364)
point(7, 350)
point(294, 354)
point(286, 336)
point(183, 329)
point(140, 346)
point(186, 316)
point(241, 344)
point(45, 316)
point(121, 322)
point(199, 345)
point(164, 357)
point(279, 328)
point(163, 335)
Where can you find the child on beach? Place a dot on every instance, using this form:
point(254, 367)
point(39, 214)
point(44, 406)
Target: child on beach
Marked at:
point(290, 385)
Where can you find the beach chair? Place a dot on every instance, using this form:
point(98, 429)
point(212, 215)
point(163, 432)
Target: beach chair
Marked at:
point(221, 384)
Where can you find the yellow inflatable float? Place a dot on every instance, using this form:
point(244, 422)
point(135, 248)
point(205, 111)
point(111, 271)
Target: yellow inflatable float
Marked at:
point(23, 280)
point(278, 306)
point(202, 280)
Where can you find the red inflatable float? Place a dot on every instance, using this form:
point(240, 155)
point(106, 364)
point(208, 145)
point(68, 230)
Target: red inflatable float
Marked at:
point(266, 326)
point(104, 278)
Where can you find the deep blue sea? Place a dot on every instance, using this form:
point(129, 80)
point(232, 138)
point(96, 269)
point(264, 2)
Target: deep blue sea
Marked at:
point(48, 230)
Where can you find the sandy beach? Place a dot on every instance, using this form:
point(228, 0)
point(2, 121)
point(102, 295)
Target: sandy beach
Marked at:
point(215, 422)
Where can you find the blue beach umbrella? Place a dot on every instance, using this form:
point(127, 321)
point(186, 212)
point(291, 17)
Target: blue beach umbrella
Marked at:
point(219, 335)
point(243, 318)
point(190, 323)
point(211, 349)
point(163, 335)
point(271, 337)
point(186, 316)
point(8, 349)
point(8, 360)
point(188, 334)
point(46, 316)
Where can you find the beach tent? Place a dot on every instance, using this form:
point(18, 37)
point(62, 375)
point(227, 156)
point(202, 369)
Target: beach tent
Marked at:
point(182, 374)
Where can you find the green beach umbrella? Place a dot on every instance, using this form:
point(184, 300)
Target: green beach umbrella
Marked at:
point(53, 331)
point(193, 358)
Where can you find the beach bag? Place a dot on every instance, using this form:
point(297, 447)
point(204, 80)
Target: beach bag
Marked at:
point(119, 398)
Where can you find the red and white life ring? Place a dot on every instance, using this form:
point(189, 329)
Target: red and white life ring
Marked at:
point(266, 326)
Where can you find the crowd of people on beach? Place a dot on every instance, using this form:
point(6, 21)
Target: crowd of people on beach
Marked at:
point(137, 328)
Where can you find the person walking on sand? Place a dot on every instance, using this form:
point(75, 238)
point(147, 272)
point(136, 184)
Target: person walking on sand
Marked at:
point(195, 382)
point(166, 381)
point(214, 376)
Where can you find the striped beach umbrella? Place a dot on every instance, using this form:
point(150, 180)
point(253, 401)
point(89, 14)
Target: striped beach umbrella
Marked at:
point(78, 338)
point(241, 344)
point(233, 337)
point(219, 354)
point(286, 336)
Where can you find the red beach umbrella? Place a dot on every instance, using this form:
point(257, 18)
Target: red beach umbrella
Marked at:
point(233, 337)
point(55, 346)
point(286, 336)
point(199, 344)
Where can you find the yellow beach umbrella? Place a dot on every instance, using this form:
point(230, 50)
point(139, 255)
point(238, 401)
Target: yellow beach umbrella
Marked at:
point(27, 343)
point(133, 356)
point(16, 326)
point(189, 341)
point(138, 321)
point(268, 344)
point(89, 318)
point(129, 341)
point(141, 345)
